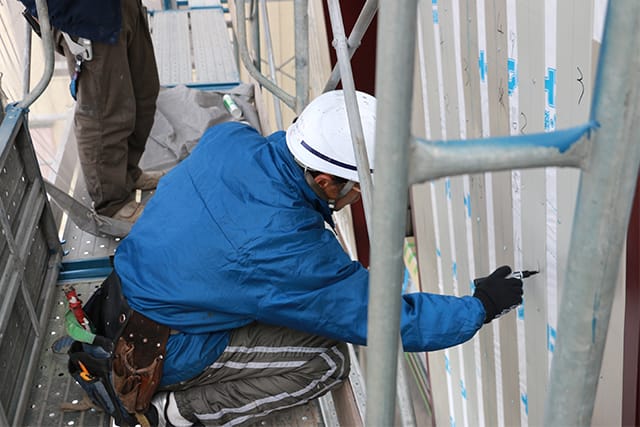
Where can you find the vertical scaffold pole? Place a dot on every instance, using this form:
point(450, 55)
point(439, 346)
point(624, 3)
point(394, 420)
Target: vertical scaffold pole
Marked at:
point(602, 214)
point(47, 44)
point(301, 18)
point(394, 91)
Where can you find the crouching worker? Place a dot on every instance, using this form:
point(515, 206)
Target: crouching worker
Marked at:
point(254, 295)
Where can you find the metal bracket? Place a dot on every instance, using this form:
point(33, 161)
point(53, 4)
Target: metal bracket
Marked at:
point(82, 48)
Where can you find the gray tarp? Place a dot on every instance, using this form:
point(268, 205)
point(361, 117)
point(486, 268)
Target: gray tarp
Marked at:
point(182, 116)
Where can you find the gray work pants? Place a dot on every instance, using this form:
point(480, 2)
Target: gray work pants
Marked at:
point(263, 369)
point(116, 103)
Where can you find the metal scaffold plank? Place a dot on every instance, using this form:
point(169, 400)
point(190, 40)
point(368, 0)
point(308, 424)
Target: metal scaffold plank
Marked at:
point(28, 263)
point(194, 4)
point(170, 35)
point(193, 48)
point(213, 55)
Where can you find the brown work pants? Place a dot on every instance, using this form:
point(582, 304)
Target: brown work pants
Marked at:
point(116, 103)
point(263, 369)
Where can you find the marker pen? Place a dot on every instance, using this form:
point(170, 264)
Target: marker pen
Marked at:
point(521, 274)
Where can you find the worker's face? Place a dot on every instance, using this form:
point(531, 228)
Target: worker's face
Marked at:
point(335, 190)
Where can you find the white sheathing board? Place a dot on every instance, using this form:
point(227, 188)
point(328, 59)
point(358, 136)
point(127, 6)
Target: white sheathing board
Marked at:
point(494, 68)
point(530, 68)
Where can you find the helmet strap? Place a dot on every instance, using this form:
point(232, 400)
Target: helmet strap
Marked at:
point(345, 189)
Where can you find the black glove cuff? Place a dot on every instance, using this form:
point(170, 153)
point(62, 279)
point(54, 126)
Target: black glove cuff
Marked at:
point(487, 302)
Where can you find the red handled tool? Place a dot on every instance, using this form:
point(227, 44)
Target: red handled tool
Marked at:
point(75, 305)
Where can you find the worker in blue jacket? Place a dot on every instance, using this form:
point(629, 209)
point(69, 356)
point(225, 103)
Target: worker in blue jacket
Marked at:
point(234, 255)
point(114, 79)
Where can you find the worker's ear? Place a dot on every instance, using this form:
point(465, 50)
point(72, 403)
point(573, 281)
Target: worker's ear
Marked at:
point(323, 180)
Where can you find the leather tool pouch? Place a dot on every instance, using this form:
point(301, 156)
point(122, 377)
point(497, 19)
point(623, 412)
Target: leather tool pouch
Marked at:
point(122, 370)
point(138, 360)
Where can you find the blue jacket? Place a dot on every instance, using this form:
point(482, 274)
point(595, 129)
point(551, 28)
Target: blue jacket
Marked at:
point(96, 20)
point(234, 235)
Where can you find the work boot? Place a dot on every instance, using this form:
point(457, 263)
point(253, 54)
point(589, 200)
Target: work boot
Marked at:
point(148, 180)
point(129, 212)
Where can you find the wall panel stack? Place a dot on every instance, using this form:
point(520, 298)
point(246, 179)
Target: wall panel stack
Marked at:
point(505, 67)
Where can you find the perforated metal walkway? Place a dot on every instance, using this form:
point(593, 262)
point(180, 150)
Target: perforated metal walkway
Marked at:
point(193, 48)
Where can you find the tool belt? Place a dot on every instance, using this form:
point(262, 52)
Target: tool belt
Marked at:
point(122, 368)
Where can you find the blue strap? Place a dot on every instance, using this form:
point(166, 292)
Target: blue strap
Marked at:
point(73, 85)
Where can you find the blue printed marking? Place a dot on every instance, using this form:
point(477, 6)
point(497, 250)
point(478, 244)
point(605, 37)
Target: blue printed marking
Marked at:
point(467, 203)
point(452, 421)
point(520, 311)
point(438, 254)
point(513, 75)
point(550, 87)
point(454, 270)
point(551, 338)
point(472, 286)
point(446, 365)
point(549, 120)
point(482, 63)
point(463, 390)
point(434, 6)
point(525, 402)
point(447, 188)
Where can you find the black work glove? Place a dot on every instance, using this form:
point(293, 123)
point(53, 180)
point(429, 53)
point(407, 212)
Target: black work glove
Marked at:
point(498, 293)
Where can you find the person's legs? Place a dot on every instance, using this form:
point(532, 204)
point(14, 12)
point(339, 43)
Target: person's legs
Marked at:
point(104, 117)
point(145, 82)
point(106, 112)
point(262, 370)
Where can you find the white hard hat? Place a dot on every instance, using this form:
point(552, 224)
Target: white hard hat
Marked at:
point(320, 138)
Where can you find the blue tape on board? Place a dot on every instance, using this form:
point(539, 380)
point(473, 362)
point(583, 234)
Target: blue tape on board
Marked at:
point(551, 338)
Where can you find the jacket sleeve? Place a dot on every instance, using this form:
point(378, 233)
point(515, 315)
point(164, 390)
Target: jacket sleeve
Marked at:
point(325, 293)
point(433, 322)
